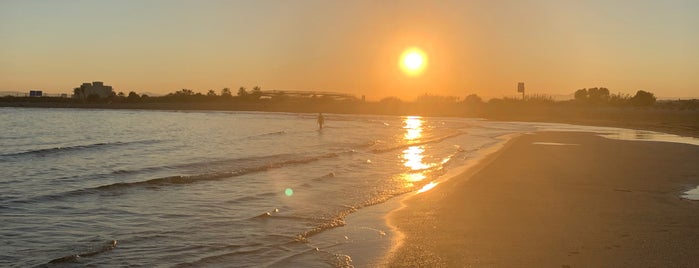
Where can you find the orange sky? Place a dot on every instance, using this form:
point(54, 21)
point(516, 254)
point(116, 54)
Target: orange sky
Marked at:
point(482, 47)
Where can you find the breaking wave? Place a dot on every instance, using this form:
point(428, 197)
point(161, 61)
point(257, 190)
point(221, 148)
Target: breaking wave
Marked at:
point(285, 160)
point(71, 149)
point(74, 257)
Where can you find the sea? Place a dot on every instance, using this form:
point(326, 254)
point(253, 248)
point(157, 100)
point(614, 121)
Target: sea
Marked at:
point(143, 188)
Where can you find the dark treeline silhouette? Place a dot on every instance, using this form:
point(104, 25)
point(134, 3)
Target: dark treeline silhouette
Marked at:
point(181, 96)
point(593, 106)
point(601, 96)
point(433, 104)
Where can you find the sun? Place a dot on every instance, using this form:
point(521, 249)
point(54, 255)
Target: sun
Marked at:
point(413, 61)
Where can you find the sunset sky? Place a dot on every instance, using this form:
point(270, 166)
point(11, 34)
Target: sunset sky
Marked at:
point(483, 47)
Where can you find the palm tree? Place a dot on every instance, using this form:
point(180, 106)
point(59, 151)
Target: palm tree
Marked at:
point(256, 92)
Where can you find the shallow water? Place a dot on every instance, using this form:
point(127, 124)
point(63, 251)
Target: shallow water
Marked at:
point(142, 188)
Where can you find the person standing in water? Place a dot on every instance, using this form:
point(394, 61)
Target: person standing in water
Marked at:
point(321, 120)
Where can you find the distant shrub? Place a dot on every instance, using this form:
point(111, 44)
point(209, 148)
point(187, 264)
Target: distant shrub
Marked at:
point(592, 95)
point(391, 101)
point(435, 99)
point(473, 99)
point(619, 99)
point(133, 97)
point(643, 98)
point(538, 99)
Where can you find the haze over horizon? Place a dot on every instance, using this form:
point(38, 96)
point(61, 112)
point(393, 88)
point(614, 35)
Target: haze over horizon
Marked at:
point(481, 47)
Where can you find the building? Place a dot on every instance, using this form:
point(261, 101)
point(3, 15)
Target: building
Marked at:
point(36, 93)
point(96, 88)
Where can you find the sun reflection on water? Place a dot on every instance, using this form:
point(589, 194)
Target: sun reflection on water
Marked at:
point(413, 158)
point(413, 128)
point(427, 187)
point(413, 155)
point(413, 177)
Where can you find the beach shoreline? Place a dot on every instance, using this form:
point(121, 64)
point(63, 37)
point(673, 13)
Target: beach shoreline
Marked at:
point(585, 201)
point(369, 237)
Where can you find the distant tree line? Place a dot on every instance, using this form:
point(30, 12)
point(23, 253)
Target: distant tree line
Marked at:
point(601, 96)
point(596, 96)
point(471, 104)
point(183, 95)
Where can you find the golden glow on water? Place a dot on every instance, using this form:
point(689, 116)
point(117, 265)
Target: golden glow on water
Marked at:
point(413, 158)
point(413, 177)
point(413, 128)
point(427, 187)
point(413, 155)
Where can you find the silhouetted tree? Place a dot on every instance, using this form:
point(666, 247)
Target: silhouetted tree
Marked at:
point(592, 95)
point(538, 99)
point(473, 99)
point(211, 93)
point(256, 93)
point(114, 97)
point(186, 92)
point(581, 95)
point(619, 99)
point(435, 99)
point(391, 100)
point(643, 98)
point(182, 92)
point(242, 92)
point(79, 93)
point(181, 95)
point(226, 92)
point(598, 95)
point(133, 97)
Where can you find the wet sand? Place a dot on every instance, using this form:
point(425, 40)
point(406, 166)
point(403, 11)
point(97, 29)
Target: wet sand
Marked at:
point(557, 199)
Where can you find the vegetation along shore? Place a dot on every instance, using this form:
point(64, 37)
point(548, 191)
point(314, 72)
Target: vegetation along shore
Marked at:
point(591, 106)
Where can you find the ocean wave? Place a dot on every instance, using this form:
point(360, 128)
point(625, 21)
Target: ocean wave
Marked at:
point(338, 219)
point(274, 133)
point(248, 198)
point(217, 175)
point(74, 257)
point(313, 255)
point(253, 254)
point(325, 225)
point(76, 148)
point(188, 179)
point(274, 214)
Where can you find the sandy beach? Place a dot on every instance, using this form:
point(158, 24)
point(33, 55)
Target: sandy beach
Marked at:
point(557, 199)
